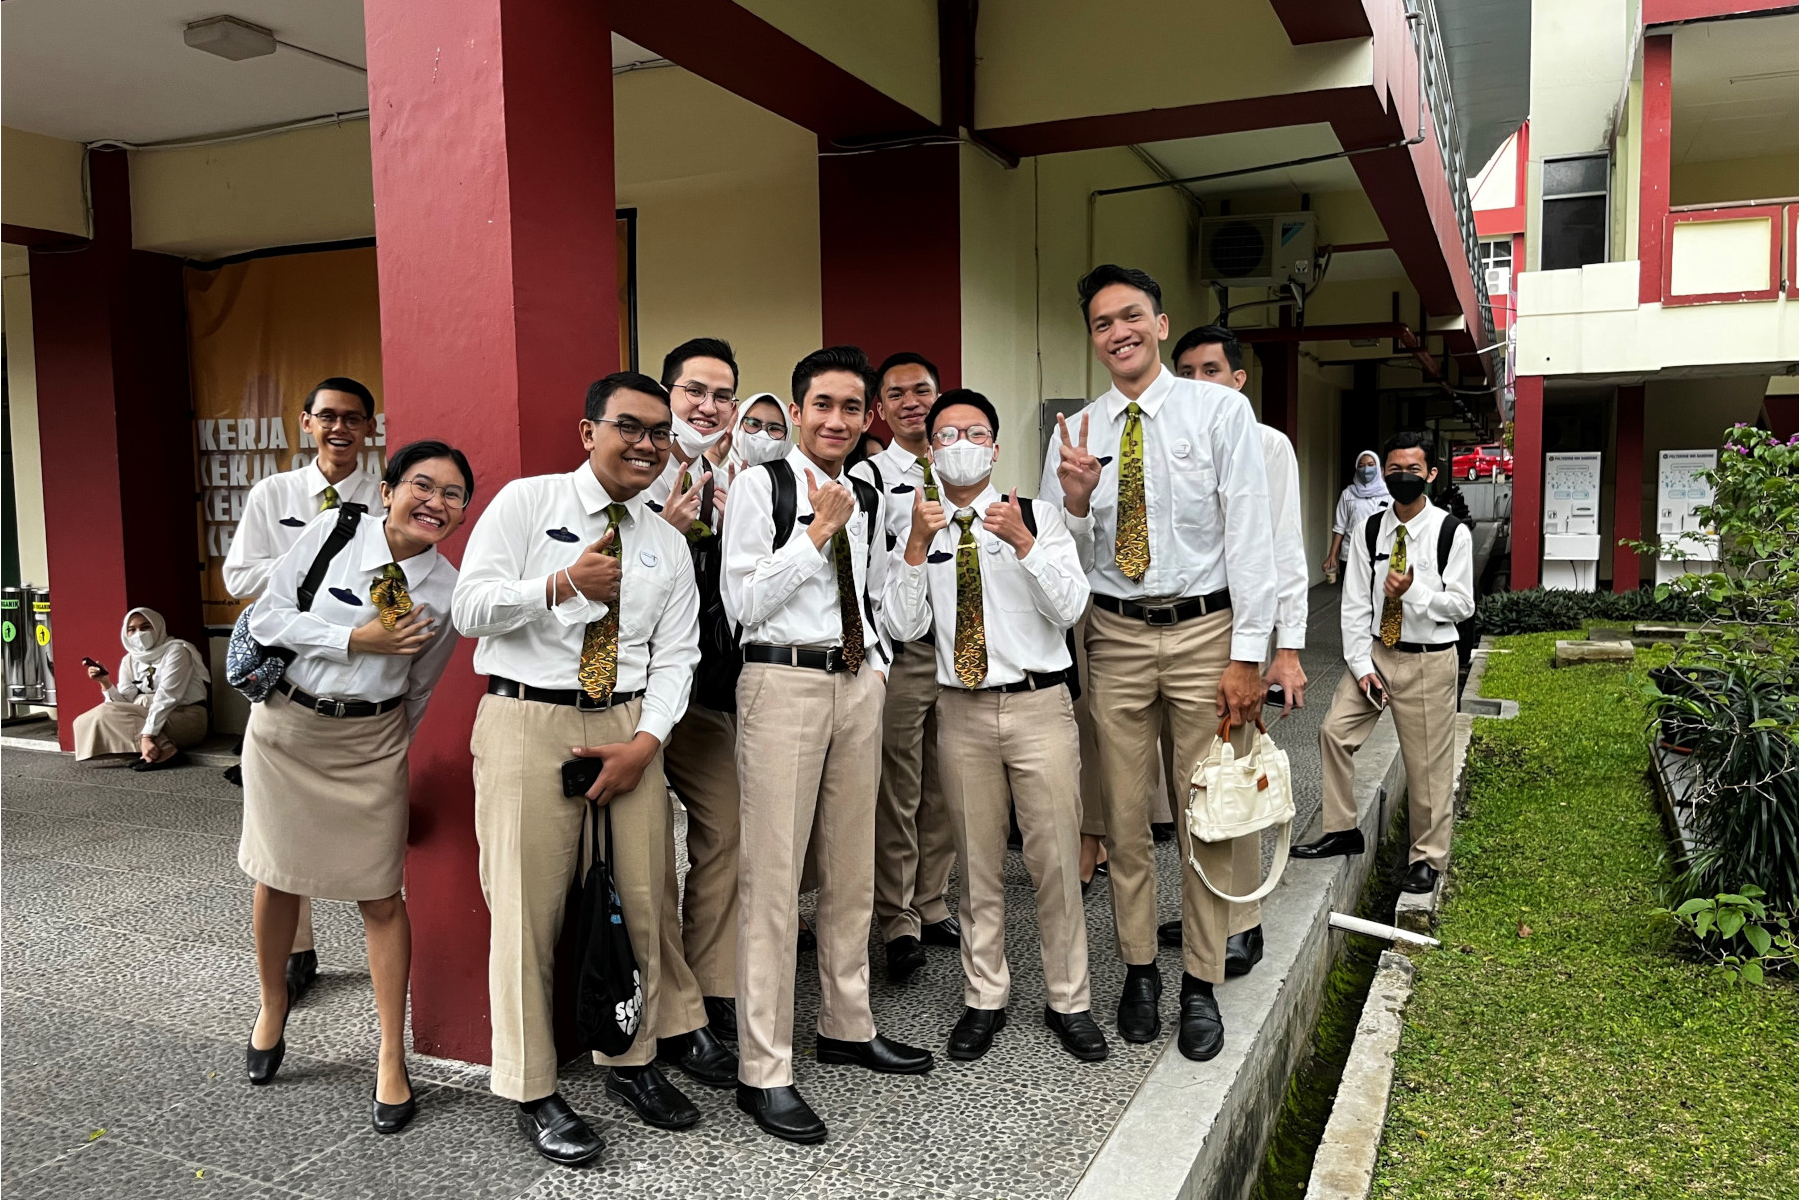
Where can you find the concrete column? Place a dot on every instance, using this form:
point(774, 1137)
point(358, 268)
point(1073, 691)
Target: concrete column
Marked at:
point(1528, 480)
point(491, 129)
point(1653, 163)
point(1628, 485)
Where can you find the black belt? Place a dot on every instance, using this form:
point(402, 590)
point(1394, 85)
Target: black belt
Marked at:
point(338, 708)
point(927, 640)
point(1421, 647)
point(573, 697)
point(796, 656)
point(1033, 682)
point(1166, 614)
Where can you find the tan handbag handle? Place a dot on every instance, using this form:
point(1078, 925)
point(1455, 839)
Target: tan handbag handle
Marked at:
point(1224, 734)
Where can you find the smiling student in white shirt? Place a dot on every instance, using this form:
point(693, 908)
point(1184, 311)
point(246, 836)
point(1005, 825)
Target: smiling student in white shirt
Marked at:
point(585, 604)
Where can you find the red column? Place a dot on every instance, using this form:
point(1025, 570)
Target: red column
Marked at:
point(1653, 165)
point(1528, 480)
point(1628, 486)
point(1280, 363)
point(110, 332)
point(492, 136)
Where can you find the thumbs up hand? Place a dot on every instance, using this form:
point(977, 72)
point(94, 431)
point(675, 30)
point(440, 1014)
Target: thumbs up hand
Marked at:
point(1006, 521)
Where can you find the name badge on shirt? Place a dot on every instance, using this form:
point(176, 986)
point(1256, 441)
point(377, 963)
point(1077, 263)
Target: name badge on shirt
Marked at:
point(293, 522)
point(647, 557)
point(346, 597)
point(561, 535)
point(1182, 448)
point(938, 556)
point(993, 547)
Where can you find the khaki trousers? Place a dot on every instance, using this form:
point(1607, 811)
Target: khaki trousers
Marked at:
point(1019, 747)
point(913, 846)
point(1093, 804)
point(1138, 671)
point(701, 764)
point(530, 838)
point(808, 754)
point(114, 727)
point(1422, 694)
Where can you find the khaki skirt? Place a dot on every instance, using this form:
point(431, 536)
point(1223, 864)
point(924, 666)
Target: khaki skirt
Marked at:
point(324, 801)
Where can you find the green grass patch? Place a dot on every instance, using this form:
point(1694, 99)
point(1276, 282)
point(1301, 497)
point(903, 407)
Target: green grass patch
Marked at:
point(1559, 1045)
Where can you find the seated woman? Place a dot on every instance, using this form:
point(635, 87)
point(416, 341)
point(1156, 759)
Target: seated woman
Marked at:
point(325, 771)
point(158, 706)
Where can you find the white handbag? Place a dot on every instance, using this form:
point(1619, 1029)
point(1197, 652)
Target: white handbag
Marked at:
point(1231, 796)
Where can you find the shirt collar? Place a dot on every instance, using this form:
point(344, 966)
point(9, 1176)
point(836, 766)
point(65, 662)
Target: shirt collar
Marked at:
point(1390, 519)
point(317, 483)
point(1149, 402)
point(376, 554)
point(802, 464)
point(989, 496)
point(902, 459)
point(594, 496)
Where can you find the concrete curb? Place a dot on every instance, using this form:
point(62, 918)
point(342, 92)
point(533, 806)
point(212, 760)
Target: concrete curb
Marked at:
point(1344, 1168)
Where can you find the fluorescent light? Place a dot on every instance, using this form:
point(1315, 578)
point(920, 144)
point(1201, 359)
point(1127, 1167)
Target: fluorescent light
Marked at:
point(229, 37)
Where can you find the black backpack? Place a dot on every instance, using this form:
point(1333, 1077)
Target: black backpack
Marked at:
point(1467, 634)
point(609, 989)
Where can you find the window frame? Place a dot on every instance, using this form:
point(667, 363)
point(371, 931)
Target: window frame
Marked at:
point(1545, 199)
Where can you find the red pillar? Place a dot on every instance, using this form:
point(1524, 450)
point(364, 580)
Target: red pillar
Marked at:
point(492, 136)
point(1280, 363)
point(110, 331)
point(1528, 480)
point(1653, 166)
point(1628, 486)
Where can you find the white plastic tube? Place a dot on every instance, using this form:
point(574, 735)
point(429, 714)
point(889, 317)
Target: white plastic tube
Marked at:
point(1377, 929)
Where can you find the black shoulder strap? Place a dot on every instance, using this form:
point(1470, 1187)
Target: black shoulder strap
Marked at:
point(1446, 538)
point(876, 472)
point(869, 500)
point(1372, 531)
point(336, 540)
point(785, 497)
point(1029, 516)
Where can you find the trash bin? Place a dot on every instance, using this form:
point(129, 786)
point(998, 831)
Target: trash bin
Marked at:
point(41, 645)
point(15, 637)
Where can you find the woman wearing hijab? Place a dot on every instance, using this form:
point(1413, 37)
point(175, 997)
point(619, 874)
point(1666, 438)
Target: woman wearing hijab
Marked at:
point(761, 433)
point(325, 770)
point(1366, 494)
point(158, 706)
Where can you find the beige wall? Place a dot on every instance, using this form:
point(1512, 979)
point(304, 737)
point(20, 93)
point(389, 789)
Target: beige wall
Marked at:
point(21, 398)
point(1579, 64)
point(40, 183)
point(1773, 178)
point(999, 306)
point(892, 45)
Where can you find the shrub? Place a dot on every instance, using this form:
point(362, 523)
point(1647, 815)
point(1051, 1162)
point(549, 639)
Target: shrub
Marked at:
point(1542, 610)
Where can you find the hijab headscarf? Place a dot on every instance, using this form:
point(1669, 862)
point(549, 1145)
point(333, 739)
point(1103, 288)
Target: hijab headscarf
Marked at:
point(1375, 489)
point(160, 643)
point(736, 457)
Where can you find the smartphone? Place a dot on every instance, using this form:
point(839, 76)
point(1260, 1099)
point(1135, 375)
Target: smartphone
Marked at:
point(88, 662)
point(1376, 694)
point(1275, 696)
point(579, 774)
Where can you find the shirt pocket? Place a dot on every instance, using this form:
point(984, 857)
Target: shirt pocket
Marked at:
point(1193, 491)
point(643, 594)
point(1011, 586)
point(345, 602)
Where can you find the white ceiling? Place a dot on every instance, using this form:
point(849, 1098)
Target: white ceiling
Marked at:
point(118, 69)
point(1734, 89)
point(1234, 151)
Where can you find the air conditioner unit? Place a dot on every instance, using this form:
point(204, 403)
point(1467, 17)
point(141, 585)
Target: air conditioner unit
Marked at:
point(1499, 281)
point(1265, 250)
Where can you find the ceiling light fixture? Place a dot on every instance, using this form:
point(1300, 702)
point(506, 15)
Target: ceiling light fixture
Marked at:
point(229, 37)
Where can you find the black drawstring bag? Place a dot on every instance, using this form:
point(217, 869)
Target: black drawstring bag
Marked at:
point(609, 991)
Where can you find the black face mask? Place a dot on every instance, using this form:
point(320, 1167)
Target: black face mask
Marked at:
point(1405, 488)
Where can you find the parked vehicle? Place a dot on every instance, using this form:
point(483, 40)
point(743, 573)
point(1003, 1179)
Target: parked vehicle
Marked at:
point(1480, 462)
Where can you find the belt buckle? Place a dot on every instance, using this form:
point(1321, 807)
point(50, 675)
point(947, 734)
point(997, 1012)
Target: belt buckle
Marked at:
point(834, 659)
point(328, 708)
point(1161, 614)
point(587, 703)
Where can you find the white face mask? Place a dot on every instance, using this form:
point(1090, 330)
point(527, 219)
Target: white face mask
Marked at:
point(963, 464)
point(693, 443)
point(758, 448)
point(141, 640)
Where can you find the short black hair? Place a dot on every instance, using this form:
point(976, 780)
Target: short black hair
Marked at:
point(906, 358)
point(963, 396)
point(835, 358)
point(601, 390)
point(413, 453)
point(702, 347)
point(1211, 335)
point(1408, 439)
point(341, 383)
point(1107, 274)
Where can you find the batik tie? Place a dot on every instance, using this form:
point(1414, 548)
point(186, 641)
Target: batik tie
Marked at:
point(931, 491)
point(390, 595)
point(600, 643)
point(331, 499)
point(1131, 547)
point(970, 654)
point(849, 613)
point(1390, 608)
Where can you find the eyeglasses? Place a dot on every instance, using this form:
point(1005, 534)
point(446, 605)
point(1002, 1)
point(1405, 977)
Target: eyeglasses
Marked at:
point(351, 421)
point(774, 429)
point(700, 395)
point(632, 432)
point(454, 496)
point(979, 435)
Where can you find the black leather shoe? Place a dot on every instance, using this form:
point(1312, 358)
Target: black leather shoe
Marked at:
point(721, 1016)
point(234, 776)
point(177, 759)
point(392, 1118)
point(877, 1054)
point(1243, 951)
point(947, 932)
point(1079, 1035)
point(302, 969)
point(1168, 934)
point(261, 1065)
point(552, 1127)
point(659, 1102)
point(806, 941)
point(974, 1033)
point(1346, 841)
point(905, 954)
point(701, 1056)
point(781, 1112)
point(1202, 1033)
point(1162, 831)
point(1421, 877)
point(1139, 1020)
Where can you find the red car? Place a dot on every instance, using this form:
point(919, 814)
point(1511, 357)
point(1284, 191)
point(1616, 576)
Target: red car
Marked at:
point(1480, 462)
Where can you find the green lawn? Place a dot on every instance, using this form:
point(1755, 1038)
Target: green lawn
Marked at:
point(1583, 1058)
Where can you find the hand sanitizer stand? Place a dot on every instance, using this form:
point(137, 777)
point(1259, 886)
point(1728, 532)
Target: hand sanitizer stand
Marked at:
point(1571, 520)
point(1686, 545)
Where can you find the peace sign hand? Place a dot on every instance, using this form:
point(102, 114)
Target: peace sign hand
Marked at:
point(683, 510)
point(1077, 470)
point(1005, 519)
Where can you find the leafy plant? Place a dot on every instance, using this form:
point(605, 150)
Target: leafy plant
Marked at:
point(1542, 610)
point(1740, 933)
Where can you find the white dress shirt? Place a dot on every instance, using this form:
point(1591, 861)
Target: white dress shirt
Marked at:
point(1206, 501)
point(1027, 603)
point(172, 681)
point(789, 597)
point(894, 472)
point(278, 508)
point(1352, 512)
point(1430, 608)
point(538, 526)
point(1291, 568)
point(324, 664)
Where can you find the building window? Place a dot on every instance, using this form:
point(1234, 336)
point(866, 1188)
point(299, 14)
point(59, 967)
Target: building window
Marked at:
point(1575, 212)
point(1496, 266)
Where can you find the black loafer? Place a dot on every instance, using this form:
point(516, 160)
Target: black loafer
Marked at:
point(1162, 831)
point(1243, 951)
point(1139, 1020)
point(877, 1054)
point(1421, 877)
point(1346, 841)
point(973, 1034)
point(659, 1102)
point(1078, 1033)
point(234, 776)
point(1168, 934)
point(260, 1065)
point(701, 1056)
point(177, 759)
point(302, 969)
point(905, 954)
point(806, 941)
point(721, 1016)
point(947, 932)
point(780, 1112)
point(1202, 1033)
point(392, 1118)
point(554, 1130)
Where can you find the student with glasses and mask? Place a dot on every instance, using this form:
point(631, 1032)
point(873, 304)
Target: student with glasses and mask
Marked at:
point(325, 756)
point(761, 433)
point(339, 415)
point(585, 603)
